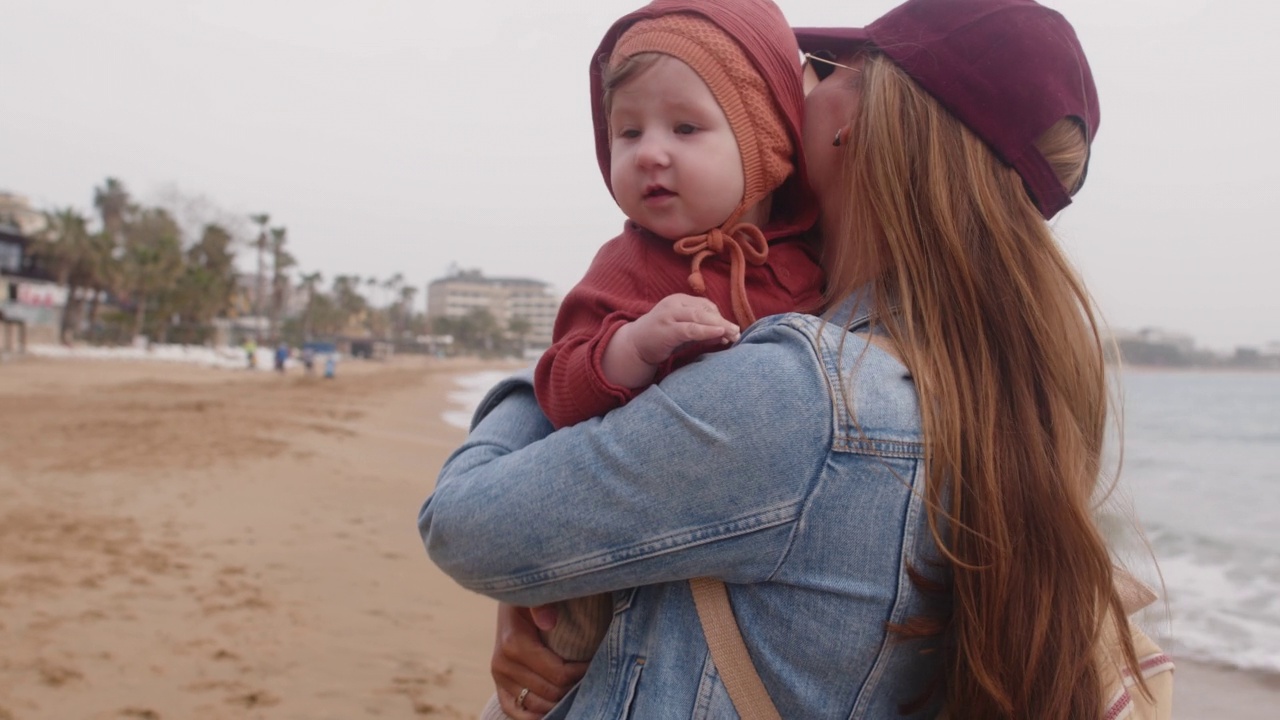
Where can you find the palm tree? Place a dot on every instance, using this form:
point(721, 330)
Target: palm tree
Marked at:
point(152, 260)
point(407, 295)
point(405, 314)
point(113, 203)
point(66, 248)
point(392, 286)
point(104, 271)
point(389, 294)
point(310, 281)
point(208, 282)
point(518, 327)
point(260, 289)
point(281, 261)
point(346, 296)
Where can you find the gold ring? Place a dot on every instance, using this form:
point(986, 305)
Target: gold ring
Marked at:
point(524, 693)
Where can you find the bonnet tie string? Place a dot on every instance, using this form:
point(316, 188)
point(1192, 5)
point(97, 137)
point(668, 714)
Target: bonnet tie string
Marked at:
point(744, 243)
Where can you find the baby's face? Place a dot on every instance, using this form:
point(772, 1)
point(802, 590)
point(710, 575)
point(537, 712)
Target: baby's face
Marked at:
point(675, 165)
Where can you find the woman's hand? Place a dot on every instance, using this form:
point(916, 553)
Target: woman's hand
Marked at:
point(521, 660)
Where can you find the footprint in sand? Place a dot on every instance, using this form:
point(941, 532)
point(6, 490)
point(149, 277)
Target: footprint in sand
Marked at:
point(256, 698)
point(416, 683)
point(57, 675)
point(238, 693)
point(234, 589)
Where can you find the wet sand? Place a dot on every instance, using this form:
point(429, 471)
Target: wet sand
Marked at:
point(1207, 692)
point(179, 542)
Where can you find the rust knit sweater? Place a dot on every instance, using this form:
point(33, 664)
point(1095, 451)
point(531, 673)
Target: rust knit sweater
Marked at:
point(633, 271)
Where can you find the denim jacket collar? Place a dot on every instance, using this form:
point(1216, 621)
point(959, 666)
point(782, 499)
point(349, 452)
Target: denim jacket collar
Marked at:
point(855, 311)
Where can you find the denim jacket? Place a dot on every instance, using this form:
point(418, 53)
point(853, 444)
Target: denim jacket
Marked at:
point(747, 466)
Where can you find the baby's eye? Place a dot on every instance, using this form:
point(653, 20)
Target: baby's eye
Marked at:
point(629, 133)
point(686, 129)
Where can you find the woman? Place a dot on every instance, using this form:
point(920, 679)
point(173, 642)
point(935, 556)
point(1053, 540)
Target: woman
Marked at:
point(898, 493)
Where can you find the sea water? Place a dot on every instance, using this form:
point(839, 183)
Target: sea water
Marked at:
point(470, 391)
point(1201, 465)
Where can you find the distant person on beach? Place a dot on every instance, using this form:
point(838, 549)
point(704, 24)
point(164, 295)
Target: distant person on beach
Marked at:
point(330, 365)
point(251, 353)
point(697, 108)
point(282, 356)
point(309, 359)
point(896, 495)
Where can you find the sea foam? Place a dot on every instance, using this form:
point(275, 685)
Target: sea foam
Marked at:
point(471, 390)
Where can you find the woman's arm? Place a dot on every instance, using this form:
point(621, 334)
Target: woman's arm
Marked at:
point(702, 475)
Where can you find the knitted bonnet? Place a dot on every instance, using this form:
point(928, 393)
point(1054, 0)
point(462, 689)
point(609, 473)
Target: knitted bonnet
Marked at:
point(757, 124)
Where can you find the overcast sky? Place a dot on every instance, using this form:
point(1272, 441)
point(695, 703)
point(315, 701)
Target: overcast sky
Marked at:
point(405, 135)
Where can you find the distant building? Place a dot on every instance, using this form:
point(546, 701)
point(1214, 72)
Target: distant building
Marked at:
point(16, 212)
point(1153, 346)
point(1266, 358)
point(27, 292)
point(12, 249)
point(504, 299)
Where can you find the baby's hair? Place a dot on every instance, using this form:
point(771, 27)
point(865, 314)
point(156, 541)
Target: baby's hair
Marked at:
point(629, 69)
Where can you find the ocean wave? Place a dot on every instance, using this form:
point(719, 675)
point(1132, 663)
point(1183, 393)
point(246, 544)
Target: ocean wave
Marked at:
point(1223, 600)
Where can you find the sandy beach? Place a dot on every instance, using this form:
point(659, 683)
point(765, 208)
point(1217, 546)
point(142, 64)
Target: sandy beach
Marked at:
point(181, 542)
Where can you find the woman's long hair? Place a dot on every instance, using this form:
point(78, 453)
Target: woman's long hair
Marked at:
point(999, 333)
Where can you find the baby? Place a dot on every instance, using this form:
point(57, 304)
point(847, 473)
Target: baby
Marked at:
point(697, 109)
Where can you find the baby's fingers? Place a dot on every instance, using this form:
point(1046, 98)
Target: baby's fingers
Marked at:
point(715, 325)
point(691, 319)
point(690, 331)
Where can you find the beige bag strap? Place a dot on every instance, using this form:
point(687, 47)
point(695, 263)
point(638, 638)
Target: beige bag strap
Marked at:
point(752, 701)
point(729, 652)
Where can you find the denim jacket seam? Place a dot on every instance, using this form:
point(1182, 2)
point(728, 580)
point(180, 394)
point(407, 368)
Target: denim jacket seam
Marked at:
point(879, 447)
point(901, 593)
point(758, 521)
point(707, 679)
point(804, 329)
point(844, 441)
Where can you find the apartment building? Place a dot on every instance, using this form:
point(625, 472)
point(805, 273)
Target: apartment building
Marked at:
point(504, 299)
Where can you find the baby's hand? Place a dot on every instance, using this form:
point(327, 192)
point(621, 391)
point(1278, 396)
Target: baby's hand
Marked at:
point(635, 351)
point(675, 321)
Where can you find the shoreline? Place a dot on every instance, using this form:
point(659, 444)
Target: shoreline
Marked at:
point(1161, 369)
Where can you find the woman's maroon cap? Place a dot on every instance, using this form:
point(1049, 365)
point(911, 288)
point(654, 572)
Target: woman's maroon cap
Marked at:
point(1007, 69)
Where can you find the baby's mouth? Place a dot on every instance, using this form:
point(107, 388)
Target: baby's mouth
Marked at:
point(656, 191)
